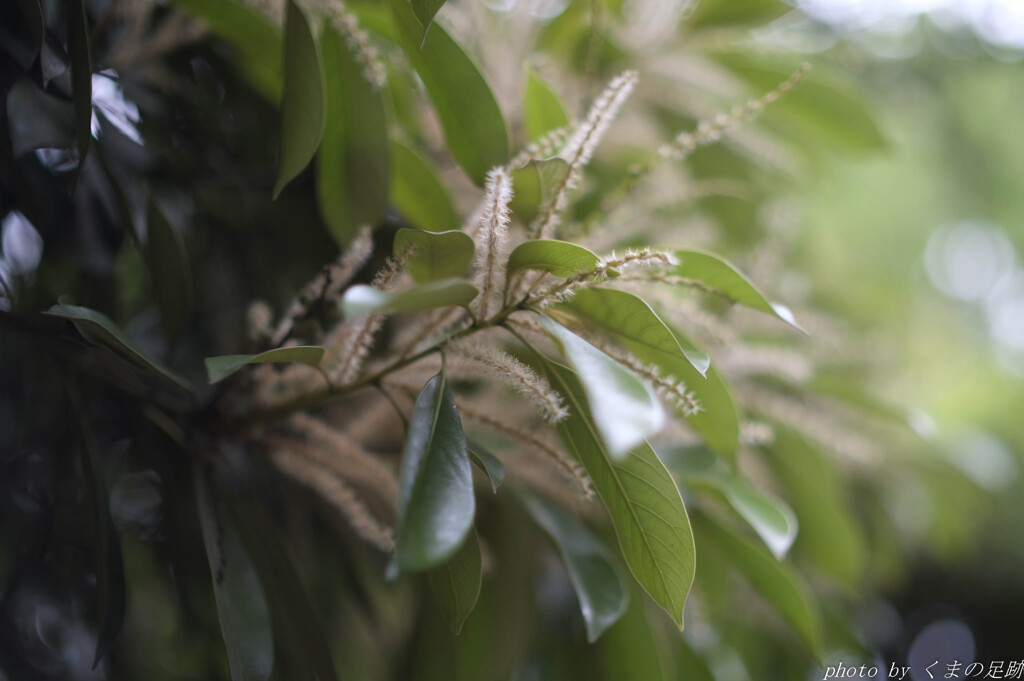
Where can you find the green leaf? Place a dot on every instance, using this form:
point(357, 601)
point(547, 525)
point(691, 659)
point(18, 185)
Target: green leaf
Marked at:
point(257, 43)
point(469, 114)
point(418, 193)
point(241, 606)
point(99, 329)
point(624, 408)
point(646, 509)
point(634, 649)
point(169, 268)
point(425, 11)
point(560, 258)
point(720, 13)
point(303, 107)
point(435, 482)
point(543, 110)
point(106, 548)
point(456, 583)
point(219, 368)
point(769, 516)
point(535, 185)
point(437, 255)
point(488, 463)
point(779, 584)
point(80, 54)
point(632, 323)
point(353, 165)
point(361, 300)
point(717, 274)
point(602, 594)
point(718, 422)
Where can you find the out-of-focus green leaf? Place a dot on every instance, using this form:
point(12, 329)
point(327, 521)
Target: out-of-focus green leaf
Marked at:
point(488, 463)
point(823, 104)
point(631, 322)
point(437, 255)
point(535, 185)
point(602, 594)
point(425, 11)
point(303, 107)
point(107, 559)
point(241, 606)
point(780, 585)
point(769, 516)
point(169, 267)
point(80, 54)
point(418, 192)
point(543, 110)
point(560, 258)
point(631, 649)
point(361, 300)
point(470, 117)
point(257, 42)
point(456, 583)
point(720, 13)
point(641, 497)
point(718, 421)
point(353, 164)
point(718, 275)
point(435, 482)
point(37, 120)
point(99, 329)
point(219, 368)
point(625, 409)
point(692, 666)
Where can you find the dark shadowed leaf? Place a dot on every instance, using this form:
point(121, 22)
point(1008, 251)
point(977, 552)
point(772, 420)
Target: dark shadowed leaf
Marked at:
point(456, 583)
point(38, 120)
point(32, 12)
point(241, 606)
point(418, 193)
point(303, 107)
point(219, 368)
point(470, 117)
point(361, 300)
point(560, 258)
point(488, 463)
point(543, 110)
point(169, 267)
point(353, 165)
point(624, 408)
point(435, 482)
point(80, 54)
point(437, 255)
point(642, 500)
point(602, 593)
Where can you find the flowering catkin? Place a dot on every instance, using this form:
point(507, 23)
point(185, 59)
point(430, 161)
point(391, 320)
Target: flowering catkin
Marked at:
point(609, 264)
point(493, 236)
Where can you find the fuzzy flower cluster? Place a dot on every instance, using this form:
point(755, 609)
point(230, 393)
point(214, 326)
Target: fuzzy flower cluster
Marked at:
point(492, 237)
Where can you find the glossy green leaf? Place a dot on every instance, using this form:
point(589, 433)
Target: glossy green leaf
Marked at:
point(38, 120)
point(425, 11)
point(219, 368)
point(473, 125)
point(718, 275)
point(488, 463)
point(169, 268)
point(353, 164)
point(107, 559)
point(99, 329)
point(456, 583)
point(241, 606)
point(624, 408)
point(560, 258)
point(718, 421)
point(632, 323)
point(602, 593)
point(257, 42)
point(80, 53)
point(361, 300)
point(303, 106)
point(642, 500)
point(543, 110)
point(418, 193)
point(435, 482)
point(535, 184)
point(720, 13)
point(779, 584)
point(437, 255)
point(769, 516)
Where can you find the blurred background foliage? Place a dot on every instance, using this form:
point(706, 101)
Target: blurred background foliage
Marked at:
point(879, 200)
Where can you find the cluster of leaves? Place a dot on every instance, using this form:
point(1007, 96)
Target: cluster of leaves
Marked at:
point(378, 129)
